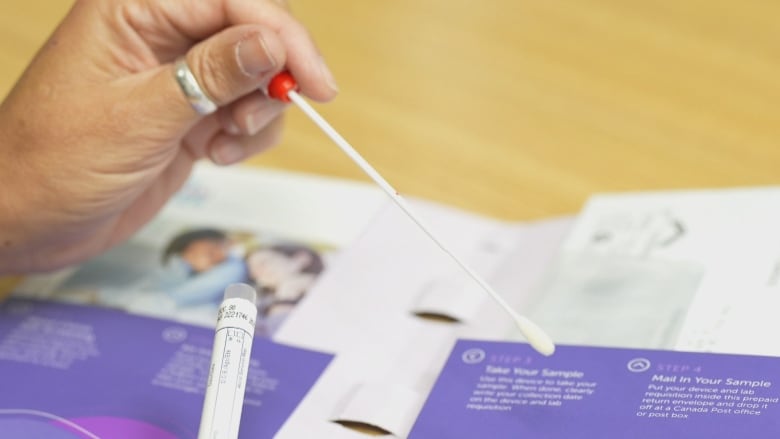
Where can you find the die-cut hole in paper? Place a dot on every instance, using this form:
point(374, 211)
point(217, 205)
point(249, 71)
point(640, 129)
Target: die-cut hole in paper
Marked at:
point(436, 317)
point(363, 427)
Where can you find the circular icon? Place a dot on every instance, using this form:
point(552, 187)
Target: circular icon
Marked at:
point(473, 356)
point(174, 334)
point(638, 365)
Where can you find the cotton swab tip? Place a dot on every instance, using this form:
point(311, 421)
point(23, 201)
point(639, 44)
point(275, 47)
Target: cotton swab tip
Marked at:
point(537, 338)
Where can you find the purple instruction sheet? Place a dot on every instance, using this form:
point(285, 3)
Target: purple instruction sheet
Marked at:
point(506, 390)
point(75, 372)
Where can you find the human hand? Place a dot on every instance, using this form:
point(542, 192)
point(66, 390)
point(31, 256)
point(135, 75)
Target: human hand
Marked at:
point(97, 135)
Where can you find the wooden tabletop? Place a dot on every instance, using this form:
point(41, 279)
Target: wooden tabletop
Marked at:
point(521, 109)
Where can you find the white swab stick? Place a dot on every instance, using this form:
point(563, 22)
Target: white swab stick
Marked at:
point(536, 337)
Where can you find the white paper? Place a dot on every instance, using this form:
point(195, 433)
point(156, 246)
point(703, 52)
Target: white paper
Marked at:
point(729, 236)
point(370, 306)
point(365, 309)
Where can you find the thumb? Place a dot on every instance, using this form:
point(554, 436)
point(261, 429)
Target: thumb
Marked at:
point(226, 66)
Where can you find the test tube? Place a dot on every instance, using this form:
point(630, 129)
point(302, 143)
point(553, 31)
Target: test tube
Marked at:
point(229, 367)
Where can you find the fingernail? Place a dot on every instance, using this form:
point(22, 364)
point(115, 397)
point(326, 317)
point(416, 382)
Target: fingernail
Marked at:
point(329, 79)
point(228, 153)
point(261, 116)
point(253, 56)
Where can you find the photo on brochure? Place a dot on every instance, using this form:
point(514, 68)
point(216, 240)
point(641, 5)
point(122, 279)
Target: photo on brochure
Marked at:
point(179, 271)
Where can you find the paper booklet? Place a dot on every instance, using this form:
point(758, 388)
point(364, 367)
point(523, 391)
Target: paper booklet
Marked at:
point(393, 305)
point(381, 297)
point(676, 270)
point(79, 372)
point(276, 230)
point(503, 390)
point(687, 270)
point(635, 270)
point(342, 270)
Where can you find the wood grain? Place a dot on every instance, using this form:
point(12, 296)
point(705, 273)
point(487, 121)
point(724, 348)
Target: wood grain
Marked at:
point(522, 109)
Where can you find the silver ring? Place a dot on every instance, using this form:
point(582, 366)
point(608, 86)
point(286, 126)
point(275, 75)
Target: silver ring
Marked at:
point(197, 98)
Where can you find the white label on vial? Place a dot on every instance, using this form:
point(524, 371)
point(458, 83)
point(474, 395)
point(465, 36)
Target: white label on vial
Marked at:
point(228, 371)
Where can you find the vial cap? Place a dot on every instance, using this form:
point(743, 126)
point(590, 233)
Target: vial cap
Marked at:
point(240, 291)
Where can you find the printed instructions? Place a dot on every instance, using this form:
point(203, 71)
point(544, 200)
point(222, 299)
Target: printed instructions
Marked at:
point(503, 388)
point(188, 369)
point(49, 342)
point(685, 396)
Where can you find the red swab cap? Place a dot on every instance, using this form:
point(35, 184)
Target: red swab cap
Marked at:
point(280, 85)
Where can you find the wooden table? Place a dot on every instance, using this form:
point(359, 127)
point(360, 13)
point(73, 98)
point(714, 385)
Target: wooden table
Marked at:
point(522, 109)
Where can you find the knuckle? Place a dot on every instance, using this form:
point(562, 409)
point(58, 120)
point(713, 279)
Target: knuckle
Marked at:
point(299, 29)
point(211, 76)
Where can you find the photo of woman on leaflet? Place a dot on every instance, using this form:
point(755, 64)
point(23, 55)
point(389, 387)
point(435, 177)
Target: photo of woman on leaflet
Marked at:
point(179, 271)
point(282, 274)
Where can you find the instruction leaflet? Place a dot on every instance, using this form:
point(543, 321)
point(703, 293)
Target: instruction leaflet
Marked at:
point(506, 390)
point(69, 371)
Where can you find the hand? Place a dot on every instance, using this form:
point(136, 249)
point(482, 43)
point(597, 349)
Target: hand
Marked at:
point(97, 135)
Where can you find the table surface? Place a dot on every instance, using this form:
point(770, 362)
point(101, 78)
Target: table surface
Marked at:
point(523, 109)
